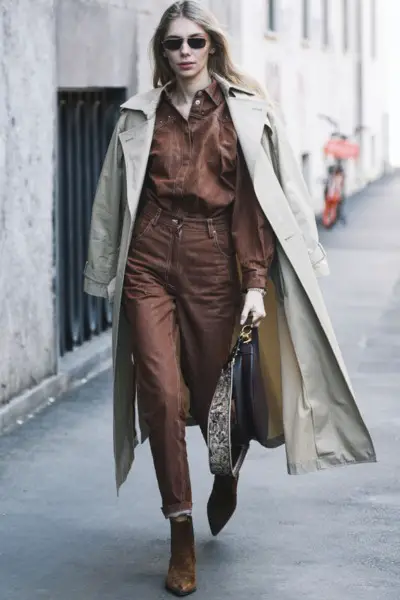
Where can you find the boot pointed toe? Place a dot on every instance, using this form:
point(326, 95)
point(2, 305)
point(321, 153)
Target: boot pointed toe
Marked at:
point(222, 503)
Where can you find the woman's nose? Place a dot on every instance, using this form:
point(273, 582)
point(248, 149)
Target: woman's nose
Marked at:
point(185, 48)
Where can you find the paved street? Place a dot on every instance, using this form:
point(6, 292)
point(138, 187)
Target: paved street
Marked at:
point(327, 536)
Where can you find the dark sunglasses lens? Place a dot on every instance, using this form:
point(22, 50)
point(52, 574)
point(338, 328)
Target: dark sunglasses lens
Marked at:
point(197, 43)
point(173, 44)
point(176, 43)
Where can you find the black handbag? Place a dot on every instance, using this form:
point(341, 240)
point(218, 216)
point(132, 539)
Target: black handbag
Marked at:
point(238, 412)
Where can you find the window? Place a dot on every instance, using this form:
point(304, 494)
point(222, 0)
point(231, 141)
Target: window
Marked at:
point(86, 120)
point(306, 20)
point(271, 15)
point(345, 9)
point(325, 22)
point(373, 28)
point(305, 167)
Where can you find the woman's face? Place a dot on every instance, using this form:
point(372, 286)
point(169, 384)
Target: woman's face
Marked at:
point(187, 62)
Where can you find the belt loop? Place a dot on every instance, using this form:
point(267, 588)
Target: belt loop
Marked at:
point(154, 220)
point(210, 228)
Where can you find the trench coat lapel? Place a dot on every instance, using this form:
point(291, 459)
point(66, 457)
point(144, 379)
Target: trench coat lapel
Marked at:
point(136, 143)
point(249, 116)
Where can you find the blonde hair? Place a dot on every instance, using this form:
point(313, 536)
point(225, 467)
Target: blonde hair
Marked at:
point(220, 63)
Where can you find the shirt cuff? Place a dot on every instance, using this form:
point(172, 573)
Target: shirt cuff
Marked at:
point(254, 280)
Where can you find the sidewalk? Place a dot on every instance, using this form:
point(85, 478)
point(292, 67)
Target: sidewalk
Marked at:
point(327, 536)
point(75, 368)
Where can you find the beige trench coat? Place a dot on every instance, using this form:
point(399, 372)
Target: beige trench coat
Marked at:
point(309, 393)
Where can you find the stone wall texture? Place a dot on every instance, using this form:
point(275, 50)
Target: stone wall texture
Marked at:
point(27, 130)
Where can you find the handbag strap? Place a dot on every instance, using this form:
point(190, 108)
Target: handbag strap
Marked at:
point(219, 425)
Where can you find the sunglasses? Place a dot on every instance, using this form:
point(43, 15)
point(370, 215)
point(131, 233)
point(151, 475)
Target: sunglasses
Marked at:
point(174, 44)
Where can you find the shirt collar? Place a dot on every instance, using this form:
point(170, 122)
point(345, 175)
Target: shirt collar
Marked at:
point(213, 91)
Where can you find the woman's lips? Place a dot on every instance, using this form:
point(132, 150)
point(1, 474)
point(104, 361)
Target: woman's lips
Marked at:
point(185, 66)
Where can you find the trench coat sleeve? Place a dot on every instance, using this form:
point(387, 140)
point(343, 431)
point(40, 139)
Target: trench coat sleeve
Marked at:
point(252, 234)
point(296, 192)
point(101, 265)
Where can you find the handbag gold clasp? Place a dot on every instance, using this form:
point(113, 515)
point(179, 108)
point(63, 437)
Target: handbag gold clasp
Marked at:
point(245, 335)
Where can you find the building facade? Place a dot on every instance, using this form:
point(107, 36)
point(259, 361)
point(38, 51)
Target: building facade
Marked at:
point(61, 82)
point(321, 62)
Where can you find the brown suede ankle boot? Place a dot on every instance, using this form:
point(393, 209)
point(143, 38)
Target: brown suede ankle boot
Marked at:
point(181, 579)
point(222, 502)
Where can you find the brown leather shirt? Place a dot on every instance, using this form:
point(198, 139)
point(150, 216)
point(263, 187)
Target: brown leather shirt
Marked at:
point(196, 168)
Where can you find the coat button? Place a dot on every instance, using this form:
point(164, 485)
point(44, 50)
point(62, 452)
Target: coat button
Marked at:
point(197, 102)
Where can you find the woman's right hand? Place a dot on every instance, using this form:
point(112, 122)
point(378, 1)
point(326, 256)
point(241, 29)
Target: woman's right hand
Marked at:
point(254, 306)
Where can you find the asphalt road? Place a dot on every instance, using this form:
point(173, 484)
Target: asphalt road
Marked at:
point(333, 535)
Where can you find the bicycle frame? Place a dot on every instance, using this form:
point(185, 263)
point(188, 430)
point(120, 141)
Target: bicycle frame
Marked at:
point(341, 149)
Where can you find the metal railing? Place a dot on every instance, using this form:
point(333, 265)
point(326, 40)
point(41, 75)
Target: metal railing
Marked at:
point(85, 123)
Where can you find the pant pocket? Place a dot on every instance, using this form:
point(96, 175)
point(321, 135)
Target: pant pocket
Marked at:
point(223, 242)
point(144, 225)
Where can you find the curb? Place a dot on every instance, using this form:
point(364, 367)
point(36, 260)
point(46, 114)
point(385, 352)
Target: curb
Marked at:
point(75, 368)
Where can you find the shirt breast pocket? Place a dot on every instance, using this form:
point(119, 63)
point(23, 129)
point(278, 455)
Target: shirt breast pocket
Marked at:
point(227, 150)
point(164, 147)
point(164, 123)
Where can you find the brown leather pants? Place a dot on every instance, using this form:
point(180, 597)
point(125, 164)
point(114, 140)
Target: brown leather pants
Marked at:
point(181, 281)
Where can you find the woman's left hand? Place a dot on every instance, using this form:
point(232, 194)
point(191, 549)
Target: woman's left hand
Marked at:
point(254, 305)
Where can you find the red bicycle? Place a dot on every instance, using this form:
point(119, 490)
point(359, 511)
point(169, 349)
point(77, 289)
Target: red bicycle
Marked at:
point(340, 149)
point(333, 195)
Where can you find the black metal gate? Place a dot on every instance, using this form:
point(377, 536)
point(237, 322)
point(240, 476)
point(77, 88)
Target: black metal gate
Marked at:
point(85, 123)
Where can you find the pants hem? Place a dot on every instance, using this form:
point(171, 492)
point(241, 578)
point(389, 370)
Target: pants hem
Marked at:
point(183, 508)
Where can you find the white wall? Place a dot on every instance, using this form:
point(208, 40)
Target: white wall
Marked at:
point(391, 45)
point(374, 92)
point(307, 79)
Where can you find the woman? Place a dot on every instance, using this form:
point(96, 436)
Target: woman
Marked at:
point(198, 193)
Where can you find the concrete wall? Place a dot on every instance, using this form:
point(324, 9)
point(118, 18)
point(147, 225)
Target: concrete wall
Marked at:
point(96, 43)
point(27, 127)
